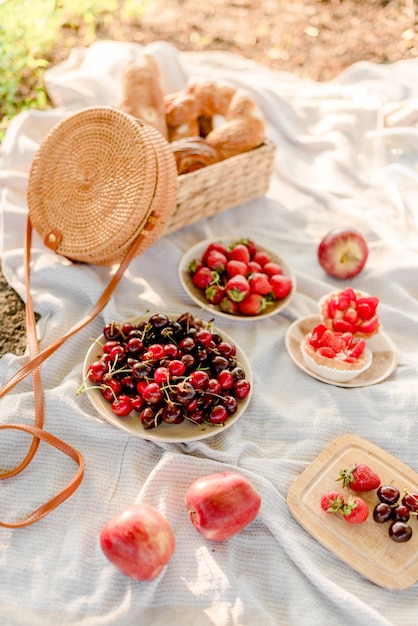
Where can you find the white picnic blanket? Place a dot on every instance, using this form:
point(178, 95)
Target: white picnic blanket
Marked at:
point(347, 153)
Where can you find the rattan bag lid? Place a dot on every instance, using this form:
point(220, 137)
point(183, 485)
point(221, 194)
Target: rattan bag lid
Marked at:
point(100, 179)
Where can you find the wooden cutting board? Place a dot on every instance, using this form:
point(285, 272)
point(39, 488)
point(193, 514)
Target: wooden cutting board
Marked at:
point(366, 547)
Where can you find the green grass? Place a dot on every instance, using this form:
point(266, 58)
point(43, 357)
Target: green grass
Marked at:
point(34, 33)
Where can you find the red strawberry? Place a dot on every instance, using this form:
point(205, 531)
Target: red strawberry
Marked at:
point(194, 265)
point(357, 348)
point(331, 308)
point(215, 245)
point(216, 260)
point(342, 326)
point(214, 293)
point(332, 340)
point(366, 306)
point(203, 277)
point(261, 257)
point(253, 267)
point(254, 304)
point(237, 288)
point(281, 286)
point(369, 325)
point(259, 283)
point(316, 335)
point(327, 352)
point(271, 268)
point(355, 510)
point(332, 501)
point(239, 252)
point(347, 339)
point(346, 298)
point(228, 306)
point(359, 477)
point(350, 315)
point(251, 245)
point(236, 267)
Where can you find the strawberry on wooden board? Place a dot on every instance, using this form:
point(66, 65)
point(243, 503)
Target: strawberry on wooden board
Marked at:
point(355, 510)
point(359, 477)
point(332, 501)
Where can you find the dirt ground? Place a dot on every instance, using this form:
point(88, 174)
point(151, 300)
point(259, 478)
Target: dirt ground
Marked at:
point(314, 39)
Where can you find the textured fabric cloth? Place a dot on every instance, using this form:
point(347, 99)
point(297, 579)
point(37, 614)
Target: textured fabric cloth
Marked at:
point(346, 154)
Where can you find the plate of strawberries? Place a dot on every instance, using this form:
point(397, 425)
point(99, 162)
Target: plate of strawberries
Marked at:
point(237, 278)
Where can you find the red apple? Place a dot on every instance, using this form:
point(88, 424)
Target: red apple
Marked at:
point(138, 541)
point(343, 252)
point(220, 505)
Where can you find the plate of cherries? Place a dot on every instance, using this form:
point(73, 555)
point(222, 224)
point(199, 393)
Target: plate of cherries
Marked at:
point(167, 377)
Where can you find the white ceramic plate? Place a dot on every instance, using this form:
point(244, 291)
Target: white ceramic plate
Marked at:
point(174, 433)
point(383, 349)
point(196, 252)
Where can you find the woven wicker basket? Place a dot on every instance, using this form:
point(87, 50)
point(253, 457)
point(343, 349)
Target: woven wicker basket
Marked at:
point(101, 178)
point(221, 186)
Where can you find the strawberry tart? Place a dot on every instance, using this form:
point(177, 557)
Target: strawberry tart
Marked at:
point(350, 311)
point(335, 356)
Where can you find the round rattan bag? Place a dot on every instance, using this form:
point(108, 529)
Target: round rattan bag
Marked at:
point(99, 180)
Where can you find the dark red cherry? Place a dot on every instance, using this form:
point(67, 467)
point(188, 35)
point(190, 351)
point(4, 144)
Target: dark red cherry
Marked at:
point(122, 406)
point(112, 332)
point(401, 513)
point(226, 348)
point(110, 389)
point(388, 494)
point(411, 501)
point(148, 418)
point(152, 394)
point(382, 512)
point(199, 379)
point(242, 389)
point(230, 403)
point(218, 414)
point(96, 371)
point(400, 532)
point(172, 414)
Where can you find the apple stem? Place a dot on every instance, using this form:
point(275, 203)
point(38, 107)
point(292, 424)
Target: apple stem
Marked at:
point(347, 258)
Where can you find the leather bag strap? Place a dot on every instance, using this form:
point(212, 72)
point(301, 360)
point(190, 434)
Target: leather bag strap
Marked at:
point(32, 366)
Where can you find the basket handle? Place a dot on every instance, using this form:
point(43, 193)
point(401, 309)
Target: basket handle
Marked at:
point(36, 358)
